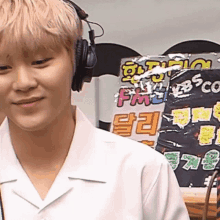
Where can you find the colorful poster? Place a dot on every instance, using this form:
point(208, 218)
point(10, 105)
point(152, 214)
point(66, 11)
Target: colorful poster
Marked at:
point(140, 99)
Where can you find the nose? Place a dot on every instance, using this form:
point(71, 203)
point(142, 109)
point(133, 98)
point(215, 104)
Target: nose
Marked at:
point(25, 79)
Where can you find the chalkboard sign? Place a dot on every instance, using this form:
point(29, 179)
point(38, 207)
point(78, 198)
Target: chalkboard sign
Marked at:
point(189, 135)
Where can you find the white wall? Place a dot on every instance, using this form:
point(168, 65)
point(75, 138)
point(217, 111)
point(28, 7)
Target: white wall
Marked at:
point(152, 26)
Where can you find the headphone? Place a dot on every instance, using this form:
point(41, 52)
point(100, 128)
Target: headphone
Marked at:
point(86, 58)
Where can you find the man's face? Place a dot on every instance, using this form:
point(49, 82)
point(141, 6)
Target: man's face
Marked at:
point(44, 74)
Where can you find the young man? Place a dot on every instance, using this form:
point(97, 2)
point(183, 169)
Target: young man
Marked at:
point(53, 163)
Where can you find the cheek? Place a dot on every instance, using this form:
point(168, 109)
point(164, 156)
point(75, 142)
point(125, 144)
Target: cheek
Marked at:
point(5, 88)
point(58, 78)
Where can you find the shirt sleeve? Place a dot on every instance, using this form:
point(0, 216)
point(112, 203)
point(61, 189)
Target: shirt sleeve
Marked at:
point(163, 199)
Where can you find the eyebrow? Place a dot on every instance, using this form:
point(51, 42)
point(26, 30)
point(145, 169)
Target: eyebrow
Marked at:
point(7, 57)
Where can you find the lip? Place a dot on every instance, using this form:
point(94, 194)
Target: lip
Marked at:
point(27, 101)
point(29, 104)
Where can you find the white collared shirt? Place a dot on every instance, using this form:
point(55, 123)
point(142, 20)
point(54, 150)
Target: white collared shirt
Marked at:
point(104, 177)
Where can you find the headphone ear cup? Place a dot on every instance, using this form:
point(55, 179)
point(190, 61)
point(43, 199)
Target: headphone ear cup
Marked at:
point(81, 59)
point(78, 52)
point(90, 63)
point(81, 53)
point(85, 61)
point(91, 57)
point(84, 52)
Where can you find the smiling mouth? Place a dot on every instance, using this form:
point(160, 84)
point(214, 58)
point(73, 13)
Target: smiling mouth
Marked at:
point(24, 103)
point(28, 102)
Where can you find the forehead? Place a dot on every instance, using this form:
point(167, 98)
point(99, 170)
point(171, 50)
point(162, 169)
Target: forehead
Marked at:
point(29, 46)
point(26, 53)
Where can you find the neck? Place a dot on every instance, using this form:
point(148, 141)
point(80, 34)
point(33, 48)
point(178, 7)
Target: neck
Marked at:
point(46, 147)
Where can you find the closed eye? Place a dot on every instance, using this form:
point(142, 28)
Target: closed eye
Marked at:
point(4, 67)
point(39, 62)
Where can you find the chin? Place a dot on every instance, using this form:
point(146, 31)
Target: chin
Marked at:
point(32, 127)
point(31, 124)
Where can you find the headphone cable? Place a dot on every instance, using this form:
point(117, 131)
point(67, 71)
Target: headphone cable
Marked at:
point(103, 32)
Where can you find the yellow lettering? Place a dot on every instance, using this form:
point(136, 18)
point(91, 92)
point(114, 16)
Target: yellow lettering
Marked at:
point(152, 64)
point(174, 62)
point(206, 135)
point(181, 117)
point(204, 64)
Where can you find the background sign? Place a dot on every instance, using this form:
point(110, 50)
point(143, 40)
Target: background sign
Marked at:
point(172, 102)
point(190, 130)
point(139, 102)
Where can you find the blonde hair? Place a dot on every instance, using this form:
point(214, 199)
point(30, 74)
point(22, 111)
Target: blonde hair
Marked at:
point(30, 24)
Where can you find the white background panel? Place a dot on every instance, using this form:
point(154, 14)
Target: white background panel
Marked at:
point(153, 26)
point(108, 87)
point(86, 100)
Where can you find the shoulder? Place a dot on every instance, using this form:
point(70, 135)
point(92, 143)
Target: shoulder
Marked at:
point(126, 149)
point(134, 162)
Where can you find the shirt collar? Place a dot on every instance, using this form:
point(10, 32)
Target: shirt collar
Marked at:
point(8, 159)
point(87, 155)
point(86, 158)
